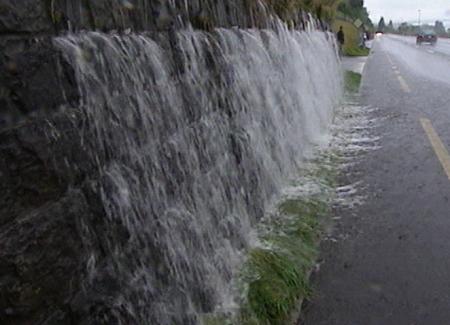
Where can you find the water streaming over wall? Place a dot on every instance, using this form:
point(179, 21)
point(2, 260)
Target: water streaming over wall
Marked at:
point(192, 135)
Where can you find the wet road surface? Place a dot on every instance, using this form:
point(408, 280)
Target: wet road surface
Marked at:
point(390, 264)
point(442, 46)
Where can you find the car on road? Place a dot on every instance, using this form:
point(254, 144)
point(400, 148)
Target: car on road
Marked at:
point(427, 36)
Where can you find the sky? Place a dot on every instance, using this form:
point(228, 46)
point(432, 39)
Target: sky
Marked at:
point(408, 10)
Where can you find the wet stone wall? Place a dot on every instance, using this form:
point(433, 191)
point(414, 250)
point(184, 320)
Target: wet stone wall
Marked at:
point(70, 246)
point(33, 78)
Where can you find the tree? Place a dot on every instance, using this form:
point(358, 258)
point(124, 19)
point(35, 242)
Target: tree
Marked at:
point(404, 28)
point(439, 28)
point(355, 9)
point(356, 3)
point(390, 26)
point(408, 29)
point(381, 24)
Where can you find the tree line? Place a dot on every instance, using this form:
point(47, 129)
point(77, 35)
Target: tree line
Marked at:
point(410, 29)
point(355, 9)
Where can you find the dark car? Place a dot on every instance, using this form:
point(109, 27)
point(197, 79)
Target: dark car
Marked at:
point(426, 37)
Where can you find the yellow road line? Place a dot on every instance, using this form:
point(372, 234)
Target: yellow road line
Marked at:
point(438, 146)
point(403, 84)
point(389, 59)
point(401, 80)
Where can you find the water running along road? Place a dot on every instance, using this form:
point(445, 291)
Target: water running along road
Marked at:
point(390, 264)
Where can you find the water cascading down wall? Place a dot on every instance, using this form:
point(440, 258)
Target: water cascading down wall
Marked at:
point(159, 169)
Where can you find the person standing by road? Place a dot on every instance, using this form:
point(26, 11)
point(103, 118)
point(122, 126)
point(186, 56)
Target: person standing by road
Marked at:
point(341, 39)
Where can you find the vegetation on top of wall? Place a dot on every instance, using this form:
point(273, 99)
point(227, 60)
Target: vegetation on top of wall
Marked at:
point(352, 45)
point(326, 10)
point(355, 9)
point(323, 9)
point(251, 13)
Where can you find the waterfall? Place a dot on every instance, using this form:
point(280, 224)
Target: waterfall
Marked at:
point(192, 134)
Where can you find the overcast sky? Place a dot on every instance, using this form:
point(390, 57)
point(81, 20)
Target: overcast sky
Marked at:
point(407, 10)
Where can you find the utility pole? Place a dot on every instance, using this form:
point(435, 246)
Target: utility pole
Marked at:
point(420, 11)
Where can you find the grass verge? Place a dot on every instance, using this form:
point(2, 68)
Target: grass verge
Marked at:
point(274, 279)
point(356, 51)
point(277, 272)
point(352, 38)
point(352, 81)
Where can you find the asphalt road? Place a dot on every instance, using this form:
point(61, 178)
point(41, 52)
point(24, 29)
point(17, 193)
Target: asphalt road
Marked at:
point(391, 262)
point(442, 46)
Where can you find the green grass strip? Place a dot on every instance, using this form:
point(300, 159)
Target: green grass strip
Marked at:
point(356, 51)
point(277, 275)
point(274, 278)
point(352, 81)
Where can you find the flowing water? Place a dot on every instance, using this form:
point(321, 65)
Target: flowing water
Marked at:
point(193, 134)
